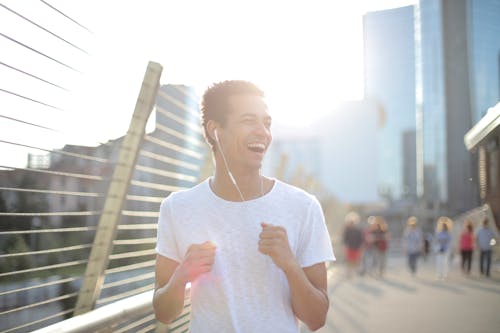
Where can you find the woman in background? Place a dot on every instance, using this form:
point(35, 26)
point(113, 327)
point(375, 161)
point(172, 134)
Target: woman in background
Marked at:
point(352, 238)
point(380, 243)
point(467, 246)
point(443, 242)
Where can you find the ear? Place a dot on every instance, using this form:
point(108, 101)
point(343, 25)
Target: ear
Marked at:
point(211, 127)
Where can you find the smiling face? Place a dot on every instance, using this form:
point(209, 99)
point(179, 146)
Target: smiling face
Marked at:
point(246, 133)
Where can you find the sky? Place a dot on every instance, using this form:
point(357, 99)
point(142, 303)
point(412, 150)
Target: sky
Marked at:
point(306, 55)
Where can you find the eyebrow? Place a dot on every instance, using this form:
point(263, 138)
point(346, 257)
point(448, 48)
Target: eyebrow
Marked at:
point(252, 115)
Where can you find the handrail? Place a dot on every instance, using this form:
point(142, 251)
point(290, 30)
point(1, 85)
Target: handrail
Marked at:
point(105, 316)
point(107, 230)
point(52, 205)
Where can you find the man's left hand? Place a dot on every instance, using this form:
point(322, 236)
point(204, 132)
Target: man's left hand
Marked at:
point(273, 241)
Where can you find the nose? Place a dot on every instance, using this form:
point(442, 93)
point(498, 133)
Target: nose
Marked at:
point(263, 130)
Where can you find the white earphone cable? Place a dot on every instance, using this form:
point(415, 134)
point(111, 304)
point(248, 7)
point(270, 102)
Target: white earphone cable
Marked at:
point(231, 175)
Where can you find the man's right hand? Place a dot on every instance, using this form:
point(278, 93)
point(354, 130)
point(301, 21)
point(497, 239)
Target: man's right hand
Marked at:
point(198, 260)
point(172, 277)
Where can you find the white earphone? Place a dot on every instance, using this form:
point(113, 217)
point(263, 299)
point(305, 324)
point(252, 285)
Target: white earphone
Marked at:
point(227, 166)
point(216, 137)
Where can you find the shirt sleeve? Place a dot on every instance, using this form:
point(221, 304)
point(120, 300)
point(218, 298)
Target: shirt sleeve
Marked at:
point(166, 244)
point(314, 245)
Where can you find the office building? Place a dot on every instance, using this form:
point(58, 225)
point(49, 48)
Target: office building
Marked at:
point(389, 60)
point(459, 49)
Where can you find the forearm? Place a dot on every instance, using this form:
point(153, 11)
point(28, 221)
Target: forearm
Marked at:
point(309, 303)
point(168, 300)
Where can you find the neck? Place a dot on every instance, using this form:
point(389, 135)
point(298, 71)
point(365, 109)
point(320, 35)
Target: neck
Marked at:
point(251, 185)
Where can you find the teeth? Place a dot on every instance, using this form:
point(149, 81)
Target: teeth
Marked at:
point(257, 146)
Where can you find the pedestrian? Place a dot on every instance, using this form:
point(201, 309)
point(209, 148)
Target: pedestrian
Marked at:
point(443, 242)
point(485, 240)
point(467, 246)
point(352, 238)
point(368, 254)
point(428, 238)
point(413, 242)
point(380, 244)
point(253, 248)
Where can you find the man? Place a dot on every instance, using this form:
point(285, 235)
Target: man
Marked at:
point(485, 238)
point(413, 243)
point(253, 248)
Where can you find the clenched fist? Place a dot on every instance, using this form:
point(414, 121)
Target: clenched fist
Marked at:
point(198, 260)
point(273, 241)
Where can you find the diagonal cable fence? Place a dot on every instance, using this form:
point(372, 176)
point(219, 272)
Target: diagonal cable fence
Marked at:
point(51, 216)
point(78, 223)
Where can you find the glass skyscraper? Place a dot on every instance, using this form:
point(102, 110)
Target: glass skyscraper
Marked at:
point(459, 52)
point(389, 60)
point(484, 36)
point(433, 68)
point(434, 127)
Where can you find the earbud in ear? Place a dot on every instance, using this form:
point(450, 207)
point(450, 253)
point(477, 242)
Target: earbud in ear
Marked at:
point(216, 137)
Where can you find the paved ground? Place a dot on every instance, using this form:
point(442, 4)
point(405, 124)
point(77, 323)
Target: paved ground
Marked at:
point(399, 302)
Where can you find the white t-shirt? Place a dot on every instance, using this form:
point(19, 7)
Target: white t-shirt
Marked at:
point(245, 291)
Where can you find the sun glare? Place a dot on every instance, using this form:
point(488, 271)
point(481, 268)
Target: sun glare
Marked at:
point(307, 57)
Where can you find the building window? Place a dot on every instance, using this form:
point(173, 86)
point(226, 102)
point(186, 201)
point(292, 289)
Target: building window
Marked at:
point(483, 185)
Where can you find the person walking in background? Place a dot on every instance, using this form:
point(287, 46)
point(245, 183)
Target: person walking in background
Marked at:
point(368, 257)
point(413, 242)
point(380, 244)
point(485, 239)
point(467, 246)
point(443, 242)
point(427, 244)
point(352, 238)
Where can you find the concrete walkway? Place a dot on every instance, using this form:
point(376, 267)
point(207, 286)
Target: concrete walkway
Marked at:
point(399, 302)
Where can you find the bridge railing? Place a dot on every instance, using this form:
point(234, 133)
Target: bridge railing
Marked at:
point(78, 231)
point(132, 314)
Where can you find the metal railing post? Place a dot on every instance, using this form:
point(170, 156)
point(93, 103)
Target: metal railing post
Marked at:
point(106, 232)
